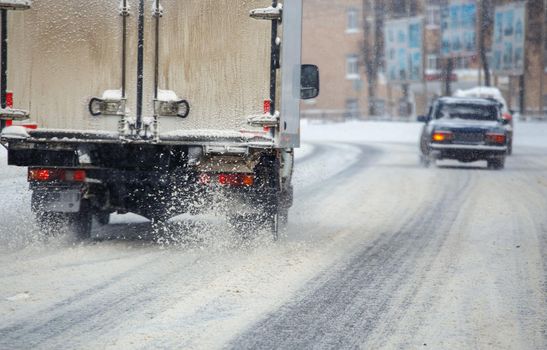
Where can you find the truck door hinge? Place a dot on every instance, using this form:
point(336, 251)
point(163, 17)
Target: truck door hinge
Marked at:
point(264, 120)
point(13, 114)
point(268, 13)
point(157, 11)
point(15, 4)
point(124, 9)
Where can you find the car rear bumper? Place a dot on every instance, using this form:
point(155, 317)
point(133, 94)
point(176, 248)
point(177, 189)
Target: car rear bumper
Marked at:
point(467, 153)
point(468, 147)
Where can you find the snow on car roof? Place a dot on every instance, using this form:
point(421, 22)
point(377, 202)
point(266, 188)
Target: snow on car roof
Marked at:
point(484, 92)
point(479, 91)
point(470, 100)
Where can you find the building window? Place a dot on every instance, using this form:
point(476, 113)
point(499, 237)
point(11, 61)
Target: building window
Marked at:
point(352, 108)
point(352, 25)
point(433, 16)
point(352, 67)
point(432, 62)
point(461, 63)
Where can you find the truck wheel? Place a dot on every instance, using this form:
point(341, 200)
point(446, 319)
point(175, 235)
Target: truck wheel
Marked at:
point(102, 218)
point(81, 223)
point(283, 217)
point(248, 225)
point(271, 225)
point(51, 224)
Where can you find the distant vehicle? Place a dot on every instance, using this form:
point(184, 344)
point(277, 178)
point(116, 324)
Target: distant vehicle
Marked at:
point(493, 93)
point(465, 129)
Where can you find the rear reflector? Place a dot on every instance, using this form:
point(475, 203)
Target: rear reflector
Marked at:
point(33, 126)
point(267, 106)
point(9, 99)
point(49, 175)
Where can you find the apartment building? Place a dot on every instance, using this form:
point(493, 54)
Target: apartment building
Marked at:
point(334, 39)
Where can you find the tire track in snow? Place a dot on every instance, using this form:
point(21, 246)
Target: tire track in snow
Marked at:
point(351, 299)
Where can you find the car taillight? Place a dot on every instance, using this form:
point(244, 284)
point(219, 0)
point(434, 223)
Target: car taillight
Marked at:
point(240, 180)
point(50, 175)
point(442, 136)
point(495, 138)
point(507, 116)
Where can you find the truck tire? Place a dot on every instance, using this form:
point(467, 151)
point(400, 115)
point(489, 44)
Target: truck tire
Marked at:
point(50, 224)
point(283, 218)
point(102, 218)
point(271, 223)
point(79, 224)
point(264, 221)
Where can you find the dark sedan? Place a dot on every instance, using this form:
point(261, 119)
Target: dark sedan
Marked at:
point(464, 129)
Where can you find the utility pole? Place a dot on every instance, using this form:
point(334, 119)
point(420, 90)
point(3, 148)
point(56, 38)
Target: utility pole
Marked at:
point(372, 47)
point(447, 75)
point(485, 24)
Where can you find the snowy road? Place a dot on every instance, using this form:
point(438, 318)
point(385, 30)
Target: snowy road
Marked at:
point(380, 253)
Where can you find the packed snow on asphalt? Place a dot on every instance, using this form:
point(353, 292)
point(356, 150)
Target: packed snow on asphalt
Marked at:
point(379, 253)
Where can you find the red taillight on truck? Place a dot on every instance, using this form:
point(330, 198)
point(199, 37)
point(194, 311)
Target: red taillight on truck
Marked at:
point(227, 179)
point(442, 136)
point(240, 180)
point(42, 175)
point(50, 175)
point(495, 138)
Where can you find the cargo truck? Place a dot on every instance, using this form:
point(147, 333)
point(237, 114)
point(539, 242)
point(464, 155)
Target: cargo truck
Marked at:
point(158, 108)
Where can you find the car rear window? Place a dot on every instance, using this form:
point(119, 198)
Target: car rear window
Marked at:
point(467, 111)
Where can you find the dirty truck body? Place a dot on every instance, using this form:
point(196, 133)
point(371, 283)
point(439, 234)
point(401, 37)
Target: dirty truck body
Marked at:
point(155, 107)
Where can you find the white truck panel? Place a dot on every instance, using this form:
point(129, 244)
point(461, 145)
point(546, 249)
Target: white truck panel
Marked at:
point(64, 52)
point(289, 135)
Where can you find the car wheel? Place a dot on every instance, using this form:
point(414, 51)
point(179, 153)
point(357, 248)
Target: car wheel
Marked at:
point(496, 163)
point(425, 161)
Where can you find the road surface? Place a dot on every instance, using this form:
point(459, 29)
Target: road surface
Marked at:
point(379, 253)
